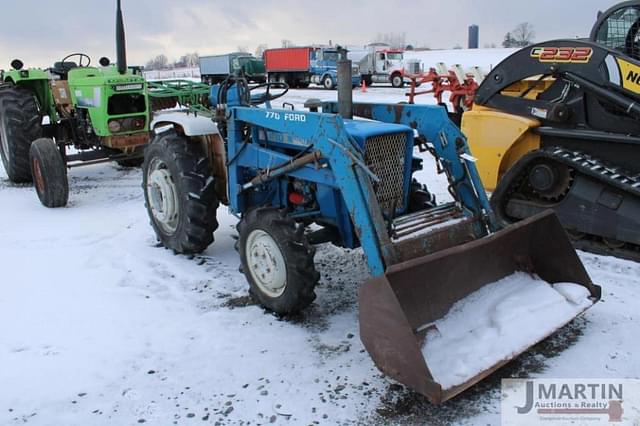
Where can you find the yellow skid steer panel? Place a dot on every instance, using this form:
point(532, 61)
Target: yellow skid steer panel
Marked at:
point(498, 141)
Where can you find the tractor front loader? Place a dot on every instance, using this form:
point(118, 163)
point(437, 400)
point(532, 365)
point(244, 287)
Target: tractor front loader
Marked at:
point(104, 113)
point(283, 170)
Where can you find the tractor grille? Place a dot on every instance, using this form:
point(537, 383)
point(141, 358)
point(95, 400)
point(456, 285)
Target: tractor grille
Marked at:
point(386, 156)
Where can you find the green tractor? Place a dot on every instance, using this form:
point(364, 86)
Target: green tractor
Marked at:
point(104, 113)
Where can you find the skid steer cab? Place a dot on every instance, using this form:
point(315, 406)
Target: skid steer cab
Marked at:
point(283, 170)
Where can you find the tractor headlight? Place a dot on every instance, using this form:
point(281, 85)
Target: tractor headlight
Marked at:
point(115, 126)
point(133, 124)
point(130, 124)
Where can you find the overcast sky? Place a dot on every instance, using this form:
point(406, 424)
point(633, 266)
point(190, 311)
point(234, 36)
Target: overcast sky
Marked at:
point(40, 32)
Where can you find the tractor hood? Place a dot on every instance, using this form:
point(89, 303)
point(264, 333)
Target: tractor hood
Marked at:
point(361, 130)
point(107, 75)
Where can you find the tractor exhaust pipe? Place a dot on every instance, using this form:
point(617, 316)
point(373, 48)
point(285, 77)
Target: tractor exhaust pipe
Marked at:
point(345, 91)
point(121, 48)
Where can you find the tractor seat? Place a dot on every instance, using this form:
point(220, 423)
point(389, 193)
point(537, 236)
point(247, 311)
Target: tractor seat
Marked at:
point(63, 68)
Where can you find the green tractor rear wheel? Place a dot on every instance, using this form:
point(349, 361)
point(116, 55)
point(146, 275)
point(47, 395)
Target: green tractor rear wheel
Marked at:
point(49, 173)
point(20, 125)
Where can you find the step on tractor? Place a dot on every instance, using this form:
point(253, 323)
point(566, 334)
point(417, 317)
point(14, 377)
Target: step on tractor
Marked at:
point(299, 178)
point(557, 126)
point(75, 114)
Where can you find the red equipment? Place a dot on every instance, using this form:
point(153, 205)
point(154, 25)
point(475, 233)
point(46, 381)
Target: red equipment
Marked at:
point(287, 59)
point(462, 87)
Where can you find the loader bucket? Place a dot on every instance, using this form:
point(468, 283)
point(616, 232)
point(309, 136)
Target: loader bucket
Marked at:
point(401, 311)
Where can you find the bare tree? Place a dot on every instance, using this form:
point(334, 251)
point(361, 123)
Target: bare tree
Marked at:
point(508, 41)
point(193, 59)
point(287, 43)
point(158, 63)
point(260, 50)
point(243, 49)
point(190, 60)
point(397, 40)
point(523, 34)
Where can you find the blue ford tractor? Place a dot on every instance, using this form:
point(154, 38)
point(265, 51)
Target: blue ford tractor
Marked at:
point(282, 170)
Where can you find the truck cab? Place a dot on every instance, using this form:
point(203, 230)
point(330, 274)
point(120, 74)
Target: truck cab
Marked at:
point(380, 64)
point(301, 66)
point(388, 60)
point(324, 66)
point(252, 67)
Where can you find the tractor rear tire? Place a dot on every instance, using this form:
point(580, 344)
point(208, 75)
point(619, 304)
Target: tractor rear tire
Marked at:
point(49, 173)
point(277, 261)
point(180, 193)
point(20, 125)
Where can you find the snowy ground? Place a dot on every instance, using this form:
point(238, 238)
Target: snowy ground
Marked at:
point(102, 326)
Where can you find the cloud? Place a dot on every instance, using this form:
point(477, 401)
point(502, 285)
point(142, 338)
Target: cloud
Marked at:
point(41, 32)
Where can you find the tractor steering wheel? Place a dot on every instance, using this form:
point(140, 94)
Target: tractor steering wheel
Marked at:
point(81, 57)
point(267, 95)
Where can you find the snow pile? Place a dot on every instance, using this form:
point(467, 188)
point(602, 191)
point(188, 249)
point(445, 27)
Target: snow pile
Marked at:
point(498, 322)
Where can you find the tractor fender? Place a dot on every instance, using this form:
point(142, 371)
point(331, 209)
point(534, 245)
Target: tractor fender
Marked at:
point(190, 124)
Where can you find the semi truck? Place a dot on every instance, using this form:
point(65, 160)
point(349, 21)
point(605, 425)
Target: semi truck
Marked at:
point(380, 64)
point(216, 68)
point(299, 67)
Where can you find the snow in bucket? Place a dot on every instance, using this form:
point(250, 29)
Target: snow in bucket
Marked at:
point(498, 322)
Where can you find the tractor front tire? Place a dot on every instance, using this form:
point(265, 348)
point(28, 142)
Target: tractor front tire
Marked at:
point(180, 194)
point(20, 125)
point(277, 261)
point(49, 173)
